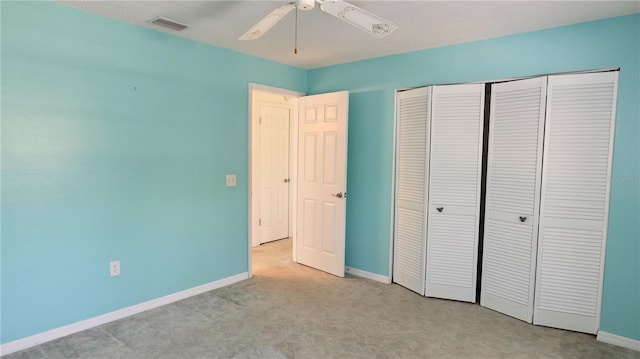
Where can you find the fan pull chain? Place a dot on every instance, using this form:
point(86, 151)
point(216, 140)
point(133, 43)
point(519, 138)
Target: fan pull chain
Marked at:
point(295, 39)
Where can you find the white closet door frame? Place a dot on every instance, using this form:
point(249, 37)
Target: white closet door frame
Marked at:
point(514, 174)
point(457, 130)
point(411, 178)
point(574, 212)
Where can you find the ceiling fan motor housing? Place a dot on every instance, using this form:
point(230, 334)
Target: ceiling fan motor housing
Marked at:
point(305, 4)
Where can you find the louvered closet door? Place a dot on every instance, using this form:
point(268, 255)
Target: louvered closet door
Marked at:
point(457, 113)
point(412, 147)
point(513, 196)
point(575, 200)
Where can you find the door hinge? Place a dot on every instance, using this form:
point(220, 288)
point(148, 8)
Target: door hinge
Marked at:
point(260, 221)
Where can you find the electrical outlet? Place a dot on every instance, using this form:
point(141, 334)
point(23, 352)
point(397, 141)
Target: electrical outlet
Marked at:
point(114, 267)
point(231, 180)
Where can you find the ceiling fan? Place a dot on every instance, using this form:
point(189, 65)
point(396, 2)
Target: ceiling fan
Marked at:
point(360, 18)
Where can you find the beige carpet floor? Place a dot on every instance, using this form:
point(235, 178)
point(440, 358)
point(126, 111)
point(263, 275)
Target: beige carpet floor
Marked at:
point(291, 311)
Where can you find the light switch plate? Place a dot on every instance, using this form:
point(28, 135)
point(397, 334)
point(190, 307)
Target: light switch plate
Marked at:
point(231, 180)
point(114, 268)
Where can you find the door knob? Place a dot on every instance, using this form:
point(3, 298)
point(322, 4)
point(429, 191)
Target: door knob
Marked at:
point(522, 219)
point(440, 209)
point(286, 180)
point(339, 194)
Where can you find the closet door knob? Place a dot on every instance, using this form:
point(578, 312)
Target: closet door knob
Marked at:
point(440, 209)
point(522, 219)
point(286, 180)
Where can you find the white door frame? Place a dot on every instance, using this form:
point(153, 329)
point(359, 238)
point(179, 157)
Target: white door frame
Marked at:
point(254, 204)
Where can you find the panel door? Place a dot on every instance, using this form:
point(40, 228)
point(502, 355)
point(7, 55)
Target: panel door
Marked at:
point(457, 120)
point(274, 172)
point(512, 202)
point(574, 205)
point(412, 171)
point(322, 181)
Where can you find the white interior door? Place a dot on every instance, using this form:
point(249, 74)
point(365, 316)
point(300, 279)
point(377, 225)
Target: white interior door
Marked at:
point(412, 172)
point(574, 208)
point(322, 181)
point(513, 196)
point(457, 120)
point(274, 172)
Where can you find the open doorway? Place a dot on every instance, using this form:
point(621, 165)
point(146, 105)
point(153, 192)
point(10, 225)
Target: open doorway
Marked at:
point(272, 125)
point(318, 142)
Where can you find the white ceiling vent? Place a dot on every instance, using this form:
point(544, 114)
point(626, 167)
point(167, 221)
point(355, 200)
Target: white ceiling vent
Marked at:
point(169, 24)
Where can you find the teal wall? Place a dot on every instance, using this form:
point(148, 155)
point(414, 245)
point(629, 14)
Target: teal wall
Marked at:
point(115, 145)
point(595, 45)
point(116, 140)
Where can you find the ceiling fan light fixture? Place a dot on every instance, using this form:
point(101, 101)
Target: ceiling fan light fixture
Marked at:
point(305, 5)
point(168, 23)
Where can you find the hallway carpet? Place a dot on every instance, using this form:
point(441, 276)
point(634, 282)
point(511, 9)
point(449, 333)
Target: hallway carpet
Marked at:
point(291, 311)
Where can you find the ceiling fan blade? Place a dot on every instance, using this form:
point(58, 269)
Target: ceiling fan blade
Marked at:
point(267, 22)
point(360, 18)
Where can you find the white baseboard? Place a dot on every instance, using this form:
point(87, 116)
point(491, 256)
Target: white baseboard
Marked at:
point(25, 343)
point(618, 340)
point(367, 275)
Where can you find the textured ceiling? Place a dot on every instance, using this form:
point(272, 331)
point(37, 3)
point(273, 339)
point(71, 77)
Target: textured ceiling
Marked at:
point(324, 40)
